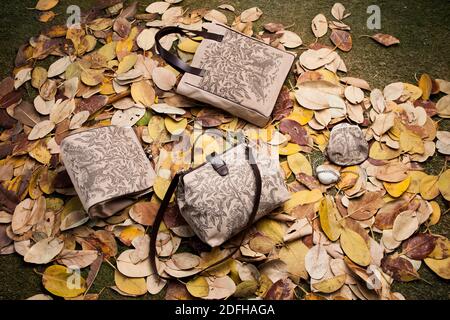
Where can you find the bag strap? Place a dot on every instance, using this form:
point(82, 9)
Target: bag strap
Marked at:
point(165, 203)
point(171, 58)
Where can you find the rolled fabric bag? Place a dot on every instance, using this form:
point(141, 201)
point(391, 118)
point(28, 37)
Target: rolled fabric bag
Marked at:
point(108, 168)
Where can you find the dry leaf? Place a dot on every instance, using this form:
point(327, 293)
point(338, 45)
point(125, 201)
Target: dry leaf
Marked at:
point(342, 39)
point(251, 14)
point(385, 39)
point(319, 25)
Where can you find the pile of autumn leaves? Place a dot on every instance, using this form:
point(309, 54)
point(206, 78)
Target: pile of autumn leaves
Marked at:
point(347, 246)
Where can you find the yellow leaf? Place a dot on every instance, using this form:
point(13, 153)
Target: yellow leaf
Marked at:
point(198, 287)
point(285, 167)
point(92, 77)
point(63, 282)
point(349, 176)
point(412, 91)
point(157, 129)
point(188, 45)
point(175, 127)
point(444, 184)
point(379, 151)
point(293, 254)
point(133, 286)
point(33, 188)
point(416, 179)
point(127, 63)
point(289, 149)
point(301, 115)
point(441, 249)
point(143, 92)
point(398, 188)
point(44, 5)
point(302, 197)
point(108, 50)
point(129, 233)
point(440, 267)
point(299, 164)
point(160, 187)
point(426, 85)
point(330, 285)
point(272, 229)
point(429, 187)
point(355, 247)
point(411, 142)
point(436, 214)
point(328, 218)
point(38, 77)
point(41, 153)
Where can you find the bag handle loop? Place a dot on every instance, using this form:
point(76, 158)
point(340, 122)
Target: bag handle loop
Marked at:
point(171, 58)
point(165, 203)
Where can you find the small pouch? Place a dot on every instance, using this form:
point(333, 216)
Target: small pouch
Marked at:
point(108, 168)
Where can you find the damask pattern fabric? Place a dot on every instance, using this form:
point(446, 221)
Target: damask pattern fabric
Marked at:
point(243, 75)
point(218, 207)
point(106, 163)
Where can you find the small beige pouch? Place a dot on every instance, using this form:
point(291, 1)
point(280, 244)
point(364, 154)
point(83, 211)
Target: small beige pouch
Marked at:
point(108, 168)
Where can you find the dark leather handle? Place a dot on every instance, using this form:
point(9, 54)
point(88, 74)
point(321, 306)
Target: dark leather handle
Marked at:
point(171, 190)
point(172, 59)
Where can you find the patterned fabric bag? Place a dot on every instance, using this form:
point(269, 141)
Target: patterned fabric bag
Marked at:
point(108, 168)
point(231, 71)
point(225, 195)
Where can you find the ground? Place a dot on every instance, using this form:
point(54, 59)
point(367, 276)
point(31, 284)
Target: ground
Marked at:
point(422, 26)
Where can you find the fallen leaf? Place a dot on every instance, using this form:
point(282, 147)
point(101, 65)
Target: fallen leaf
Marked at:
point(63, 282)
point(319, 25)
point(405, 225)
point(419, 246)
point(385, 39)
point(251, 14)
point(355, 247)
point(342, 39)
point(316, 262)
point(44, 251)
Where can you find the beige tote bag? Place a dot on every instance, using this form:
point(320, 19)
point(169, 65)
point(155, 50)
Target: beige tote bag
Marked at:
point(231, 71)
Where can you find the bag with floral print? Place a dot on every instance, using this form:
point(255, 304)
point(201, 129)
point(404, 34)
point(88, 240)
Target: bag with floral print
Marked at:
point(231, 71)
point(108, 168)
point(226, 194)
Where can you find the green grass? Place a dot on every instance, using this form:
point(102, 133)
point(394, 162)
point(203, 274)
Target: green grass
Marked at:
point(422, 27)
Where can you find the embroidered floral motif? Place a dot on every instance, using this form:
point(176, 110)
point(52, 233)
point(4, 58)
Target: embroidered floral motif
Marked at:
point(218, 207)
point(105, 163)
point(240, 68)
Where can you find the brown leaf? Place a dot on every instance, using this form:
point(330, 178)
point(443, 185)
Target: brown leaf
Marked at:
point(385, 39)
point(283, 289)
point(309, 181)
point(394, 172)
point(366, 206)
point(93, 271)
point(6, 86)
point(387, 214)
point(6, 121)
point(177, 291)
point(399, 268)
point(297, 133)
point(419, 246)
point(26, 113)
point(92, 104)
point(8, 200)
point(144, 212)
point(11, 98)
point(428, 105)
point(122, 26)
point(283, 105)
point(342, 39)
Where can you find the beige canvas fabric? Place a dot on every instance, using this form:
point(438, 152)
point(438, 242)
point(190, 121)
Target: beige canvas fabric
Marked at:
point(243, 76)
point(108, 167)
point(218, 207)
